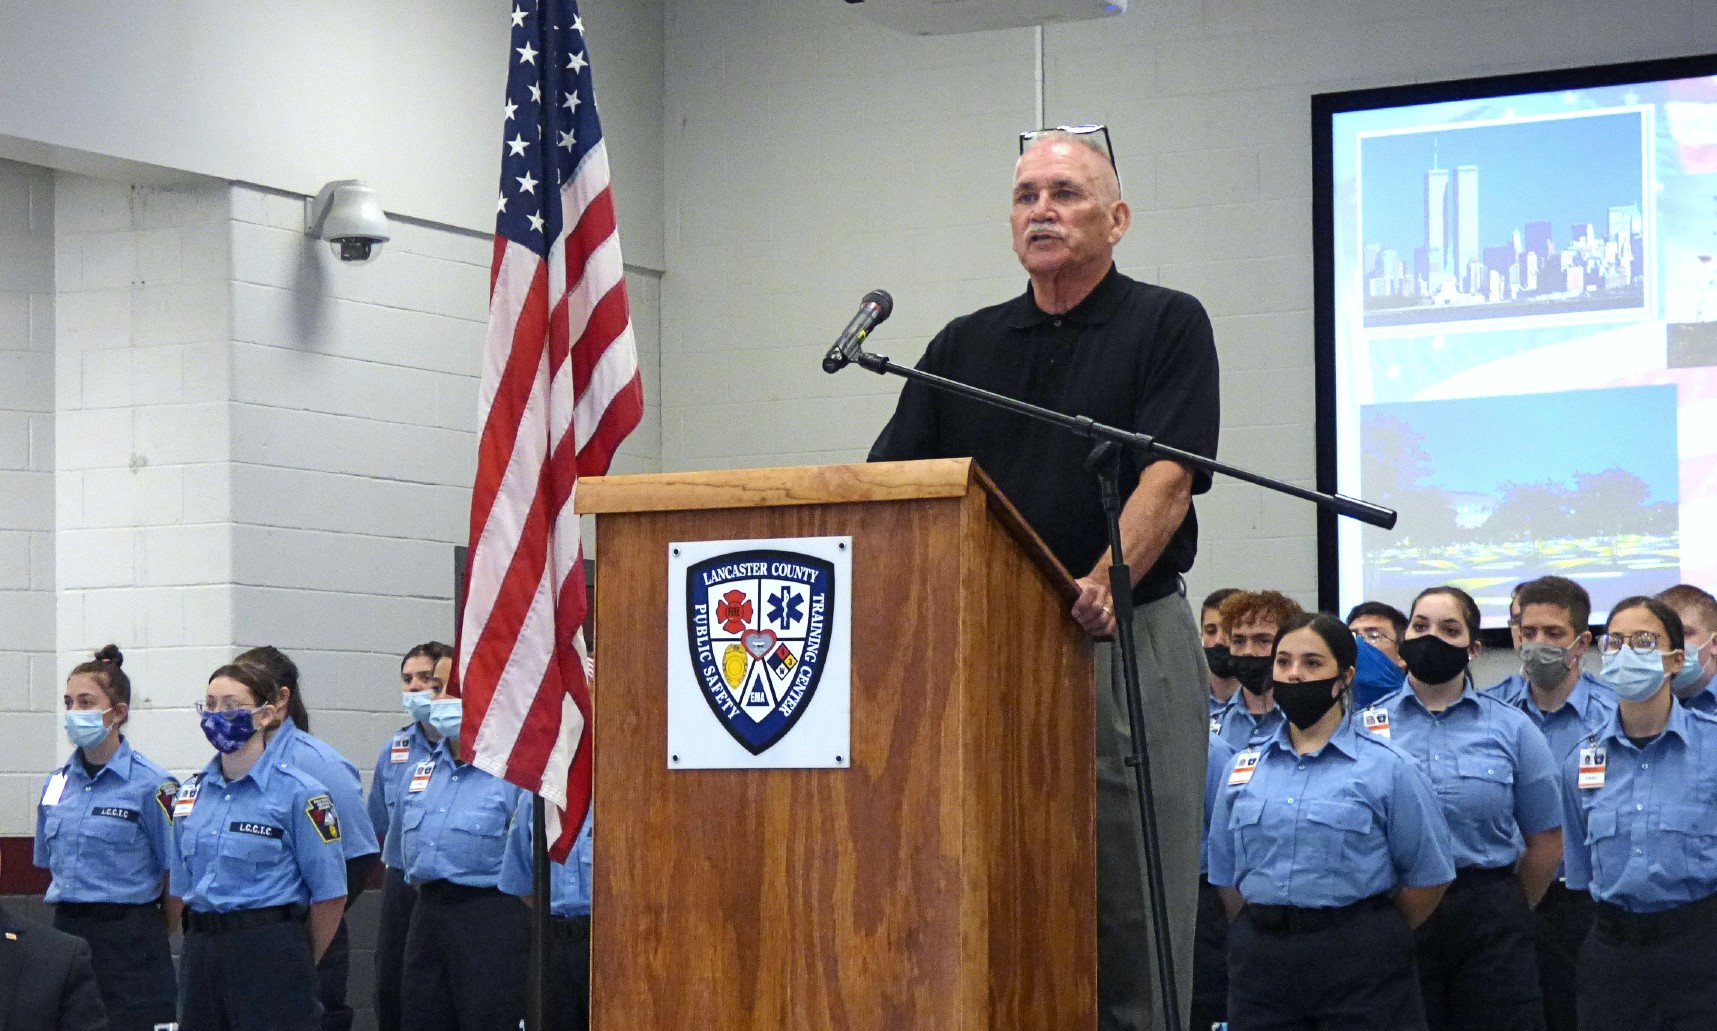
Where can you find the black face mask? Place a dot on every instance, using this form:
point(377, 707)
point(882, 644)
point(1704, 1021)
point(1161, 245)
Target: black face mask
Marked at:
point(1220, 660)
point(1253, 672)
point(1306, 702)
point(1433, 660)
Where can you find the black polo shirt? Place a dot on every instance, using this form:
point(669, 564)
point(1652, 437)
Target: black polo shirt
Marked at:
point(1131, 355)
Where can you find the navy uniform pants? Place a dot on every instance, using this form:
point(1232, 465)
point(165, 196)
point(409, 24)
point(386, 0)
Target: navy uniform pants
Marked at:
point(1355, 975)
point(397, 899)
point(1209, 961)
point(1658, 972)
point(568, 1007)
point(465, 958)
point(132, 960)
point(1559, 926)
point(257, 978)
point(1478, 970)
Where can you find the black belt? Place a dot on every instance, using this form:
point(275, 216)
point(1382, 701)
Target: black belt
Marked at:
point(1621, 927)
point(1473, 876)
point(104, 910)
point(241, 919)
point(1298, 920)
point(448, 891)
point(1147, 591)
point(569, 926)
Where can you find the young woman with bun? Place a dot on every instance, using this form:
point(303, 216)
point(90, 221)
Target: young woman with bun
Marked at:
point(104, 831)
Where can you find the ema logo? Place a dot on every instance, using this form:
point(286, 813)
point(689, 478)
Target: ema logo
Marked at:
point(757, 623)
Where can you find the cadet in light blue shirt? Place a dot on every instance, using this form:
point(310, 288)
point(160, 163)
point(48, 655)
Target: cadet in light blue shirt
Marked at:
point(1217, 655)
point(1491, 771)
point(257, 851)
point(468, 941)
point(569, 931)
point(400, 755)
point(104, 830)
point(1237, 725)
point(1332, 841)
point(1642, 821)
point(1210, 934)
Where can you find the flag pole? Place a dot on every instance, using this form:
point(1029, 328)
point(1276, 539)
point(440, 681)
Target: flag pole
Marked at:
point(537, 1004)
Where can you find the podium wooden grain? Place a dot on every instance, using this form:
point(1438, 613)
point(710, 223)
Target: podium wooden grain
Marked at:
point(947, 880)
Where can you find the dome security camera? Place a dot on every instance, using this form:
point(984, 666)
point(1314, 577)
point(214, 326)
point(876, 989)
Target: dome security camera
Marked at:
point(348, 215)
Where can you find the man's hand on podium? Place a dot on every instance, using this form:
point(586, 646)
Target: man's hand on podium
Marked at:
point(1093, 608)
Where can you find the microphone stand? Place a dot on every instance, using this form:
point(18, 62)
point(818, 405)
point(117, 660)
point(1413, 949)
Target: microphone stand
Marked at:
point(1105, 463)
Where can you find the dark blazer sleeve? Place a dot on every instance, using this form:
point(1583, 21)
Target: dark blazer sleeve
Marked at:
point(80, 1001)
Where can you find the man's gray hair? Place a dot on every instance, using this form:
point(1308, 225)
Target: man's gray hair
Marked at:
point(1087, 140)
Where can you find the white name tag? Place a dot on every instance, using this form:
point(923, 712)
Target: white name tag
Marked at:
point(420, 776)
point(1376, 720)
point(56, 787)
point(1244, 764)
point(187, 800)
point(1593, 762)
point(1215, 725)
point(400, 752)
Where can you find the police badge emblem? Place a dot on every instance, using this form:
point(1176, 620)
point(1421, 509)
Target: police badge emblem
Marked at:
point(767, 613)
point(758, 641)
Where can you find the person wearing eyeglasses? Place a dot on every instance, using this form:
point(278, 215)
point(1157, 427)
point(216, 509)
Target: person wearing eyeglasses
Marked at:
point(1493, 775)
point(258, 865)
point(288, 740)
point(1567, 705)
point(1251, 619)
point(1328, 848)
point(1698, 612)
point(104, 829)
point(1085, 339)
point(1217, 653)
point(1380, 625)
point(1643, 840)
point(400, 754)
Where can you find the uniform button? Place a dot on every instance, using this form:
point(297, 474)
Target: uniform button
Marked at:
point(90, 787)
point(1645, 766)
point(1639, 808)
point(1436, 757)
point(1639, 851)
point(443, 809)
point(1290, 801)
point(1057, 322)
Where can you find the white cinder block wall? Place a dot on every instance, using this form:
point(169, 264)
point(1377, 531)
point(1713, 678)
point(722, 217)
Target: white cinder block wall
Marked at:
point(26, 482)
point(813, 156)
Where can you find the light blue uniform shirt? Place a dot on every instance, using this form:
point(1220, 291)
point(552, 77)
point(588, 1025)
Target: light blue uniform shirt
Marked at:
point(1705, 701)
point(110, 838)
point(568, 883)
point(400, 754)
point(1489, 767)
point(1589, 707)
point(270, 838)
point(1236, 725)
point(1219, 760)
point(455, 827)
point(337, 774)
point(1647, 839)
point(1217, 704)
point(1354, 819)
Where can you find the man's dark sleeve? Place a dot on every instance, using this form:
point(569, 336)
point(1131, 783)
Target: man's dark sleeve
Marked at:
point(1180, 395)
point(912, 433)
point(80, 1000)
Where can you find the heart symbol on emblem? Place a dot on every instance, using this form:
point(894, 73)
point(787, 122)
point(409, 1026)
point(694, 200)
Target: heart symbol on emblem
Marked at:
point(758, 643)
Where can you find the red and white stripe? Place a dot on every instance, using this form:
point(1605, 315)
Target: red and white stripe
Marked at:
point(560, 390)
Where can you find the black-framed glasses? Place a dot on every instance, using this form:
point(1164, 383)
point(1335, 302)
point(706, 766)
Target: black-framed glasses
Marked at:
point(1373, 634)
point(1092, 133)
point(1639, 641)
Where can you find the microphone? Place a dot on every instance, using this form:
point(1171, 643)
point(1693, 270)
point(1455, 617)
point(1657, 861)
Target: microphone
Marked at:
point(873, 310)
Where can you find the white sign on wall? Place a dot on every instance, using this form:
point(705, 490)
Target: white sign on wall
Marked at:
point(760, 653)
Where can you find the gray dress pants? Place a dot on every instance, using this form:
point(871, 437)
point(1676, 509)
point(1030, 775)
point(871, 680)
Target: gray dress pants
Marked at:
point(1174, 681)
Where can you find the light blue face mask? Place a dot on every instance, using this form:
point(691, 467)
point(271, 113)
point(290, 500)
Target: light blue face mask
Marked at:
point(416, 704)
point(85, 727)
point(1633, 675)
point(446, 715)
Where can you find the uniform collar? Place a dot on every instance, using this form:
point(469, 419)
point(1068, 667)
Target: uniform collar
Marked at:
point(1345, 740)
point(1238, 704)
point(1583, 698)
point(120, 764)
point(260, 771)
point(1467, 695)
point(1094, 310)
point(443, 748)
point(1677, 725)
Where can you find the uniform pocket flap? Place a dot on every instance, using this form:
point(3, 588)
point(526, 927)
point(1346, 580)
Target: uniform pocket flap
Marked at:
point(1346, 816)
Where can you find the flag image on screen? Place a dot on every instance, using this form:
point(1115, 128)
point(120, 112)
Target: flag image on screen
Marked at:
point(1516, 299)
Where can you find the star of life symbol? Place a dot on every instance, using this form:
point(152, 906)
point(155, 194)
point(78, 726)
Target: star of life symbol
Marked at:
point(757, 624)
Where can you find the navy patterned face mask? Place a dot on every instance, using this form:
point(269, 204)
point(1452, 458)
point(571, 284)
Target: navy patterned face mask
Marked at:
point(228, 731)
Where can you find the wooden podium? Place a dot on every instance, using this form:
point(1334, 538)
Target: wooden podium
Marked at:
point(947, 880)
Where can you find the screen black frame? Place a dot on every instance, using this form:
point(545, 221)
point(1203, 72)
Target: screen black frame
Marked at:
point(1325, 106)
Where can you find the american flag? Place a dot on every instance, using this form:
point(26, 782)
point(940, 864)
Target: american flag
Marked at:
point(560, 391)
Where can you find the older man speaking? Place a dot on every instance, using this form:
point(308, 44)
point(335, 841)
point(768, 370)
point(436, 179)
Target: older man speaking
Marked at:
point(1086, 340)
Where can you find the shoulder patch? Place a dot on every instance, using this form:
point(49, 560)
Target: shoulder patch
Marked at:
point(320, 809)
point(165, 794)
